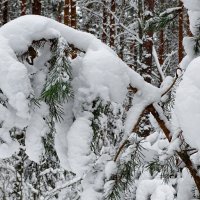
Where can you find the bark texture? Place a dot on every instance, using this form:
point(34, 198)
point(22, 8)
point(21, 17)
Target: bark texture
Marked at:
point(4, 12)
point(67, 13)
point(112, 24)
point(36, 7)
point(180, 33)
point(73, 13)
point(105, 20)
point(23, 7)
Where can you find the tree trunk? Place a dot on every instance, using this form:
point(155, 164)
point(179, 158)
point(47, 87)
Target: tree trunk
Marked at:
point(161, 40)
point(59, 17)
point(4, 12)
point(161, 47)
point(189, 33)
point(112, 24)
point(36, 7)
point(23, 7)
point(67, 13)
point(148, 44)
point(73, 13)
point(105, 18)
point(73, 23)
point(180, 33)
point(140, 30)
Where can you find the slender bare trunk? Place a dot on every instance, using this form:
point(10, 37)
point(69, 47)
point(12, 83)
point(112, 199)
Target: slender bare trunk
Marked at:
point(4, 12)
point(140, 30)
point(36, 7)
point(189, 33)
point(73, 13)
point(161, 39)
point(23, 7)
point(148, 44)
point(112, 23)
point(73, 24)
point(105, 19)
point(59, 17)
point(161, 47)
point(180, 34)
point(67, 13)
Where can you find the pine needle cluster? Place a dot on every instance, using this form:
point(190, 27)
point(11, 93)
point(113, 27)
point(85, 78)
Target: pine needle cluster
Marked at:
point(58, 84)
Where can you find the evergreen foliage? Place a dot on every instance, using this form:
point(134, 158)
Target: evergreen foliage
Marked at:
point(136, 32)
point(58, 87)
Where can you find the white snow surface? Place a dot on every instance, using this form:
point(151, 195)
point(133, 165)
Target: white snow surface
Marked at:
point(194, 17)
point(97, 73)
point(187, 105)
point(62, 128)
point(37, 128)
point(192, 4)
point(155, 189)
point(185, 185)
point(79, 138)
point(110, 169)
point(193, 7)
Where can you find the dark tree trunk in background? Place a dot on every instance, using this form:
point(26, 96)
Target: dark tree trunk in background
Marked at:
point(148, 43)
point(112, 24)
point(140, 31)
point(73, 23)
point(105, 19)
point(180, 33)
point(161, 40)
point(4, 12)
point(59, 17)
point(161, 47)
point(121, 30)
point(189, 33)
point(36, 7)
point(73, 13)
point(67, 13)
point(23, 7)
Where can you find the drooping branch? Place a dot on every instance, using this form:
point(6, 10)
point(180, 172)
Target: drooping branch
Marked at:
point(135, 129)
point(183, 153)
point(160, 121)
point(163, 123)
point(173, 83)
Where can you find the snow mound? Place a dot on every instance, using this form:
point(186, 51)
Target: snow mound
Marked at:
point(79, 139)
point(195, 5)
point(155, 189)
point(187, 105)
